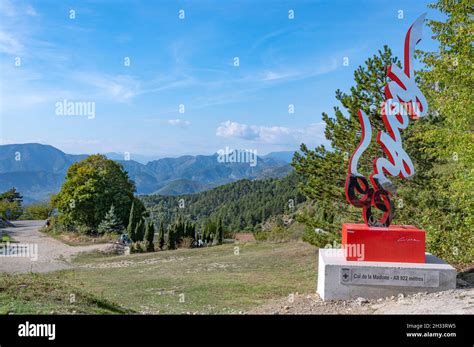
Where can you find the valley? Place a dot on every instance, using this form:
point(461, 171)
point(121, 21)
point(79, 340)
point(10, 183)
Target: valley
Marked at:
point(38, 171)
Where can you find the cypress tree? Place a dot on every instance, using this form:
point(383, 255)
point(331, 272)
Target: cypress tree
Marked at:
point(220, 232)
point(131, 224)
point(161, 236)
point(206, 232)
point(171, 242)
point(140, 231)
point(149, 236)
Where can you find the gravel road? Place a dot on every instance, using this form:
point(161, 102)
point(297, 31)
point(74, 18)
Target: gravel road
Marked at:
point(44, 253)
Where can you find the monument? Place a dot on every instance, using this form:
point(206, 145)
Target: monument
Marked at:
point(378, 259)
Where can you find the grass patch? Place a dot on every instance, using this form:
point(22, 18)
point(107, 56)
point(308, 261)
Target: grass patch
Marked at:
point(4, 237)
point(87, 257)
point(214, 280)
point(77, 239)
point(50, 294)
point(208, 280)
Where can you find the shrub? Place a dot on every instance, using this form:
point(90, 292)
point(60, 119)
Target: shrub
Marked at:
point(40, 210)
point(10, 210)
point(186, 242)
point(138, 247)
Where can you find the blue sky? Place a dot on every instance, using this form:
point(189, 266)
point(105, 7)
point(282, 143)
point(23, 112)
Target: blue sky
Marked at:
point(186, 62)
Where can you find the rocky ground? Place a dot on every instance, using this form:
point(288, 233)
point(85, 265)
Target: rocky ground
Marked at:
point(456, 301)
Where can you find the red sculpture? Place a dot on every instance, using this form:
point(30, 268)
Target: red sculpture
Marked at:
point(403, 99)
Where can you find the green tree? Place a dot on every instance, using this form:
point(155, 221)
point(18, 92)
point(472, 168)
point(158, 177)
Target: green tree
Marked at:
point(9, 210)
point(140, 230)
point(171, 241)
point(229, 202)
point(322, 171)
point(110, 223)
point(91, 186)
point(209, 233)
point(10, 204)
point(137, 213)
point(161, 236)
point(132, 221)
point(445, 202)
point(220, 232)
point(149, 236)
point(12, 195)
point(40, 210)
point(439, 198)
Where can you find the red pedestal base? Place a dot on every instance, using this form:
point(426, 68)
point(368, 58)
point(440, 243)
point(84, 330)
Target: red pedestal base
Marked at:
point(397, 243)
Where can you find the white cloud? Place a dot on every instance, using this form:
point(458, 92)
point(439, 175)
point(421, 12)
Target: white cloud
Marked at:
point(24, 88)
point(273, 76)
point(312, 134)
point(120, 88)
point(22, 91)
point(161, 85)
point(10, 44)
point(237, 130)
point(178, 122)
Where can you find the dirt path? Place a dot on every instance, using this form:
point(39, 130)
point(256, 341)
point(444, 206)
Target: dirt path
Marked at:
point(45, 253)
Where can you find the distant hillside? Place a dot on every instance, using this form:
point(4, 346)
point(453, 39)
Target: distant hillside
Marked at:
point(142, 159)
point(35, 157)
point(182, 186)
point(33, 185)
point(242, 205)
point(37, 171)
point(275, 172)
point(285, 156)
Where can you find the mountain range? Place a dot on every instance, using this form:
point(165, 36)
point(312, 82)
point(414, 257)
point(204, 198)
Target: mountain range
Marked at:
point(38, 170)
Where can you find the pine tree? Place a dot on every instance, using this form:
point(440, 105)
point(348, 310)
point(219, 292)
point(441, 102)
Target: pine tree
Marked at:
point(161, 236)
point(149, 236)
point(12, 195)
point(322, 171)
point(229, 202)
point(110, 223)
